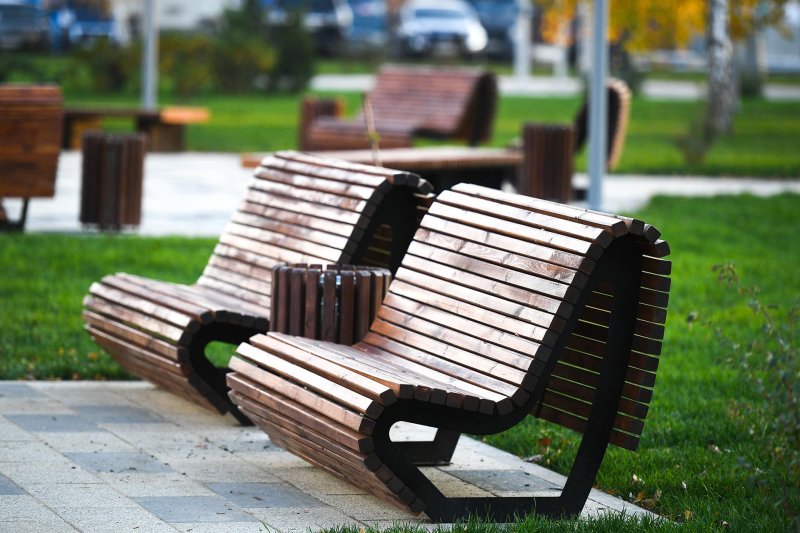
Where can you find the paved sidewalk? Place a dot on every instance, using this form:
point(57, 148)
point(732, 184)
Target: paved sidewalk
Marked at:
point(195, 193)
point(560, 86)
point(124, 456)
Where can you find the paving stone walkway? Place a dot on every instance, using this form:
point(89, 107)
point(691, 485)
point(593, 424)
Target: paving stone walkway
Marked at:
point(195, 193)
point(125, 456)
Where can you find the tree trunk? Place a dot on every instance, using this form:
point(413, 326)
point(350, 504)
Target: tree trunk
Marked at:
point(721, 88)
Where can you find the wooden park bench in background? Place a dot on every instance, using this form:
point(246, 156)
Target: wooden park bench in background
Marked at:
point(165, 128)
point(30, 137)
point(549, 149)
point(504, 306)
point(406, 102)
point(297, 208)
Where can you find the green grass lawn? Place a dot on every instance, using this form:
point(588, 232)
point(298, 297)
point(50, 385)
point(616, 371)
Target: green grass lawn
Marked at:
point(764, 142)
point(688, 463)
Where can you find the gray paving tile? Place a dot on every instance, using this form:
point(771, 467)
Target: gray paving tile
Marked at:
point(229, 527)
point(29, 452)
point(503, 480)
point(25, 514)
point(315, 480)
point(118, 414)
point(118, 462)
point(12, 432)
point(366, 507)
point(113, 520)
point(300, 519)
point(95, 495)
point(278, 494)
point(51, 469)
point(32, 406)
point(222, 470)
point(86, 441)
point(18, 390)
point(9, 488)
point(52, 422)
point(182, 509)
point(160, 487)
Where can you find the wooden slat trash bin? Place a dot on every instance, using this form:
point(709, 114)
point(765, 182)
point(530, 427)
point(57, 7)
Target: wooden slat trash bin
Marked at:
point(335, 304)
point(111, 188)
point(548, 161)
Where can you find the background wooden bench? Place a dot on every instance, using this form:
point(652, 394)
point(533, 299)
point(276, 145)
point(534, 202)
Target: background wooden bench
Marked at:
point(440, 103)
point(504, 306)
point(297, 208)
point(165, 128)
point(30, 135)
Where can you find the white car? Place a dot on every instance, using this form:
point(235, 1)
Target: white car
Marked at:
point(445, 27)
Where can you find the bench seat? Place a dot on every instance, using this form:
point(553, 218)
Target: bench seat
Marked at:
point(297, 209)
point(504, 306)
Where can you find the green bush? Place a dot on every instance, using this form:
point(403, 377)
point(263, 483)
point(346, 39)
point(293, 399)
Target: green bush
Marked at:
point(295, 56)
point(104, 67)
point(183, 63)
point(244, 55)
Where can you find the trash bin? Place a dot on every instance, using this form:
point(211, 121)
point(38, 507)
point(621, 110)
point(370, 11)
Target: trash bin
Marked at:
point(111, 187)
point(548, 161)
point(336, 304)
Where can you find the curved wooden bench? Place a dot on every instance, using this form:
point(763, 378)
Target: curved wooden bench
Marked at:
point(618, 110)
point(30, 133)
point(297, 208)
point(504, 306)
point(408, 102)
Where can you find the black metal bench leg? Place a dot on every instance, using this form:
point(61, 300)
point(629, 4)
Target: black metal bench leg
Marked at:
point(19, 224)
point(439, 451)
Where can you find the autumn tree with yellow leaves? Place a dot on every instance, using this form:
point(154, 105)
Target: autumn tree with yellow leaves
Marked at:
point(644, 25)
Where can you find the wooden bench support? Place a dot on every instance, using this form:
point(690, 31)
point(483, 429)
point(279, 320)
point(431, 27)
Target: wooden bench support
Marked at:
point(297, 208)
point(504, 306)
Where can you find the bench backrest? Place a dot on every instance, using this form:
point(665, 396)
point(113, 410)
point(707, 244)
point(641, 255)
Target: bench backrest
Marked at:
point(436, 102)
point(30, 139)
point(492, 280)
point(618, 111)
point(304, 209)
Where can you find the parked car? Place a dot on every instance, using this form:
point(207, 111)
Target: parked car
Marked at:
point(89, 25)
point(23, 27)
point(443, 27)
point(498, 18)
point(328, 21)
point(368, 35)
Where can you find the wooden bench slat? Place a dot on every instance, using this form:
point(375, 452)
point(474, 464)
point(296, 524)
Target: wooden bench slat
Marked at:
point(304, 220)
point(363, 359)
point(447, 230)
point(285, 243)
point(142, 322)
point(295, 410)
point(321, 385)
point(278, 344)
point(306, 397)
point(321, 198)
point(540, 220)
point(300, 232)
point(487, 358)
point(517, 231)
point(134, 336)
